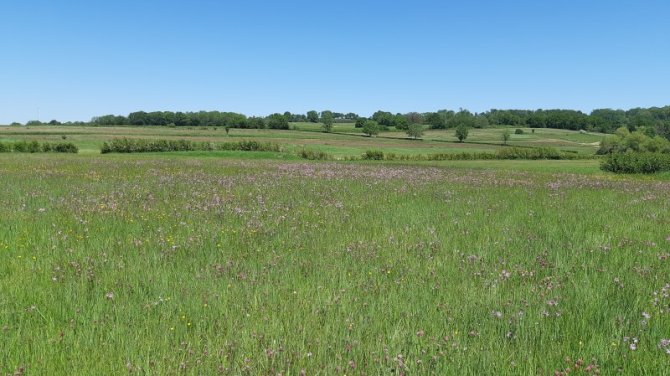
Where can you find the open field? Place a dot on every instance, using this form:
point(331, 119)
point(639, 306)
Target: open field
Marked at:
point(196, 264)
point(346, 141)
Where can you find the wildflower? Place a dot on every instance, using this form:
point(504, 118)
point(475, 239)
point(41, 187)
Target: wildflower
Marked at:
point(496, 314)
point(109, 296)
point(646, 315)
point(664, 344)
point(420, 333)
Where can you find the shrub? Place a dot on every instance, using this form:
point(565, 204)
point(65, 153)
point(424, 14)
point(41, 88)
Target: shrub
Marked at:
point(415, 131)
point(370, 127)
point(462, 132)
point(314, 155)
point(636, 163)
point(20, 147)
point(529, 153)
point(5, 147)
point(518, 131)
point(124, 145)
point(373, 155)
point(65, 147)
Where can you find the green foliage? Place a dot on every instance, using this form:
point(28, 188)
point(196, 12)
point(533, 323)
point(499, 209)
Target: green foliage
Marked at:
point(400, 122)
point(360, 122)
point(126, 145)
point(625, 141)
point(38, 147)
point(373, 155)
point(383, 118)
point(415, 131)
point(327, 120)
point(530, 153)
point(462, 132)
point(636, 163)
point(505, 136)
point(277, 121)
point(435, 120)
point(313, 116)
point(314, 155)
point(518, 131)
point(370, 128)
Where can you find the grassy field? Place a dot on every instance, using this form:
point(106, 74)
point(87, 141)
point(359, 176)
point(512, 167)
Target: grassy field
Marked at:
point(346, 141)
point(260, 263)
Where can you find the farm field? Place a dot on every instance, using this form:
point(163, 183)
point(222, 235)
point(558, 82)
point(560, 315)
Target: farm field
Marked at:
point(347, 140)
point(245, 263)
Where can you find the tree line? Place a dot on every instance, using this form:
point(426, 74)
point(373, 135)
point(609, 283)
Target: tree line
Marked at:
point(599, 120)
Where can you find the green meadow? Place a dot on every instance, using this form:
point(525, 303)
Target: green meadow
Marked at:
point(262, 263)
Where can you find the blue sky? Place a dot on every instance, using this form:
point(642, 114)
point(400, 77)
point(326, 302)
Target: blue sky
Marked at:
point(77, 59)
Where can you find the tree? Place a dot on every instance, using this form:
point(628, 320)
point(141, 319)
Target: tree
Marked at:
point(371, 128)
point(462, 117)
point(414, 117)
point(435, 120)
point(462, 132)
point(360, 122)
point(313, 116)
point(415, 131)
point(383, 118)
point(327, 120)
point(505, 136)
point(400, 122)
point(277, 121)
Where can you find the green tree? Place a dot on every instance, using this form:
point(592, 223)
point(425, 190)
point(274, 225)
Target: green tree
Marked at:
point(506, 136)
point(277, 121)
point(327, 120)
point(313, 116)
point(360, 122)
point(435, 120)
point(383, 118)
point(415, 131)
point(371, 128)
point(462, 132)
point(400, 122)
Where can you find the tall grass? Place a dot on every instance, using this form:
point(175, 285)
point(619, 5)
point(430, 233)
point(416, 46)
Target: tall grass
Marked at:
point(155, 265)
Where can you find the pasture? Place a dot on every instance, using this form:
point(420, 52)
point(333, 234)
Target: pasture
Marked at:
point(261, 263)
point(346, 141)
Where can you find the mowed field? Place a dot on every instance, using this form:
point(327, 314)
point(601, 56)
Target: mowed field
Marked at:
point(345, 141)
point(260, 263)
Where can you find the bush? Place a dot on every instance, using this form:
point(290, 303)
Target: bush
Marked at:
point(636, 163)
point(529, 153)
point(462, 132)
point(518, 131)
point(314, 155)
point(370, 127)
point(415, 131)
point(373, 155)
point(65, 147)
point(36, 147)
point(124, 145)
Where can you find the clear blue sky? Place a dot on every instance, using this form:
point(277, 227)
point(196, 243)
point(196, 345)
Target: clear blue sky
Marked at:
point(77, 59)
